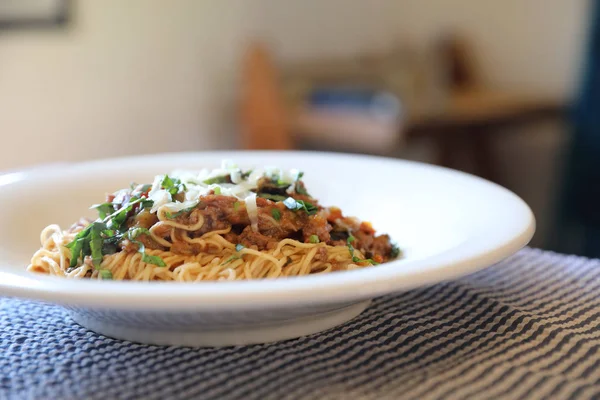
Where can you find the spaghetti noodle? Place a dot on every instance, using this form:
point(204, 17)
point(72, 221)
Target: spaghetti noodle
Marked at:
point(224, 224)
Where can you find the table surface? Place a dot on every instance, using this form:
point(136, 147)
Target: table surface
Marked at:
point(527, 328)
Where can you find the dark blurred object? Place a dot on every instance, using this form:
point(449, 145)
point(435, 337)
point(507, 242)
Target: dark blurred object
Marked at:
point(578, 222)
point(34, 14)
point(459, 62)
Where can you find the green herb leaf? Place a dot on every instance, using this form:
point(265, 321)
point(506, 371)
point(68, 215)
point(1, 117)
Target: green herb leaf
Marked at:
point(102, 237)
point(370, 261)
point(76, 246)
point(246, 174)
point(236, 206)
point(105, 274)
point(167, 183)
point(96, 242)
point(230, 259)
point(313, 239)
point(279, 183)
point(395, 253)
point(276, 214)
point(272, 197)
point(310, 208)
point(301, 190)
point(154, 260)
point(217, 190)
point(104, 209)
point(294, 204)
point(117, 219)
point(351, 250)
point(172, 185)
point(238, 248)
point(137, 231)
point(147, 258)
point(217, 179)
point(178, 213)
point(108, 233)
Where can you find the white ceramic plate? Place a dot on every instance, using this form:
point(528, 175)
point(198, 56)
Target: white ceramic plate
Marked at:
point(447, 223)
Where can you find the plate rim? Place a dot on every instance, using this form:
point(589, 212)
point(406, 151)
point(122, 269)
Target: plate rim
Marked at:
point(357, 285)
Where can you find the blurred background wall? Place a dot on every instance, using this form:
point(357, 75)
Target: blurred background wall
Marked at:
point(146, 76)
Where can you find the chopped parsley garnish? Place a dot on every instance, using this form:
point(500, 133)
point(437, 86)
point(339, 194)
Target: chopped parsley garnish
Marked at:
point(230, 259)
point(96, 242)
point(117, 219)
point(170, 215)
point(272, 197)
point(279, 183)
point(147, 258)
point(294, 204)
point(313, 239)
point(238, 248)
point(246, 174)
point(103, 236)
point(217, 179)
point(236, 206)
point(276, 214)
point(104, 209)
point(299, 187)
point(217, 190)
point(105, 274)
point(301, 190)
point(351, 249)
point(395, 251)
point(172, 185)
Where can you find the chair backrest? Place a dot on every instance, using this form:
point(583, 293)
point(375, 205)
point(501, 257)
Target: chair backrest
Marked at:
point(264, 123)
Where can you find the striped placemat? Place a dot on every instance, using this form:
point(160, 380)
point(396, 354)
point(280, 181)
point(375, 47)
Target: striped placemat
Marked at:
point(526, 328)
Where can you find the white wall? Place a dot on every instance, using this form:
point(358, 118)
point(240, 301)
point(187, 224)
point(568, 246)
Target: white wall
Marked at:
point(152, 75)
point(533, 44)
point(128, 77)
point(141, 76)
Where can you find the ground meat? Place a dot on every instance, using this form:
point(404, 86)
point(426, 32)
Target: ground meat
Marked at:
point(214, 219)
point(231, 237)
point(371, 245)
point(382, 245)
point(162, 230)
point(226, 208)
point(185, 248)
point(277, 221)
point(252, 239)
point(316, 225)
point(149, 242)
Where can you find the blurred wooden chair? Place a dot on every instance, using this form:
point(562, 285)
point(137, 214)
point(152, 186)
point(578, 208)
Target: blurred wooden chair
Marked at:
point(264, 124)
